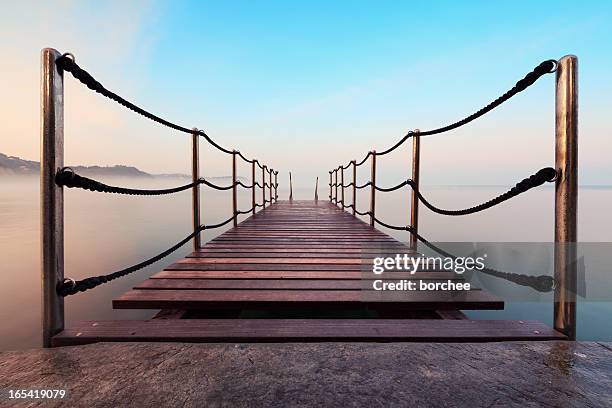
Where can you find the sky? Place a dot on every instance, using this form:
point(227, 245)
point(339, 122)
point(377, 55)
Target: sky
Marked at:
point(305, 86)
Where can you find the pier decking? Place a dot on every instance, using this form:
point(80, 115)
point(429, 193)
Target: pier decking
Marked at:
point(293, 266)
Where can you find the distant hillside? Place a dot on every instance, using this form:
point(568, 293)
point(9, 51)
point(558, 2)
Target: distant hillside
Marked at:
point(11, 165)
point(15, 166)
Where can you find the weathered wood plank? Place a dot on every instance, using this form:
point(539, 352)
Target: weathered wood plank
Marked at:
point(267, 330)
point(268, 274)
point(250, 284)
point(202, 299)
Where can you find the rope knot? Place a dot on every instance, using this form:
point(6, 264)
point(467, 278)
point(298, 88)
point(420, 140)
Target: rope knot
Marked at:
point(65, 177)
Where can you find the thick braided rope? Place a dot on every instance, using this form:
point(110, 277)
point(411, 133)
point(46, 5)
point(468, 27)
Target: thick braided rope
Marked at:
point(543, 68)
point(540, 283)
point(70, 287)
point(547, 174)
point(68, 178)
point(67, 64)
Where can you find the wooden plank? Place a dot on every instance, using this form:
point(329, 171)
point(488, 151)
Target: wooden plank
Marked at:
point(287, 266)
point(250, 284)
point(203, 299)
point(222, 274)
point(305, 330)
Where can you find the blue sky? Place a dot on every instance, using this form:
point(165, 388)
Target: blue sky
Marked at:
point(306, 85)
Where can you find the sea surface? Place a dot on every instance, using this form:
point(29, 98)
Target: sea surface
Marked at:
point(105, 232)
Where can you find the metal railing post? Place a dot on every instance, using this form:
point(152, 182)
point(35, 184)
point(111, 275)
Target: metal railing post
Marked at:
point(234, 189)
point(263, 185)
point(271, 171)
point(330, 186)
point(414, 205)
point(336, 185)
point(354, 186)
point(195, 192)
point(566, 195)
point(342, 187)
point(276, 186)
point(253, 202)
point(373, 189)
point(51, 195)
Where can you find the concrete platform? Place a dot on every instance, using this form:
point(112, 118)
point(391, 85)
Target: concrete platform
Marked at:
point(521, 374)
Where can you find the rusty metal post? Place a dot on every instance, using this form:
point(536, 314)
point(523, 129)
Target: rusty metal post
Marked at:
point(414, 205)
point(263, 185)
point(253, 202)
point(373, 189)
point(195, 192)
point(354, 186)
point(51, 195)
point(234, 190)
point(566, 195)
point(342, 186)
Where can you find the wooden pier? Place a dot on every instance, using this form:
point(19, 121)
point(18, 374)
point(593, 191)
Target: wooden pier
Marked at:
point(298, 271)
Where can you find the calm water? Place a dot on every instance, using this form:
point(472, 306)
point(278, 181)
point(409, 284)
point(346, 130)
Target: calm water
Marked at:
point(108, 232)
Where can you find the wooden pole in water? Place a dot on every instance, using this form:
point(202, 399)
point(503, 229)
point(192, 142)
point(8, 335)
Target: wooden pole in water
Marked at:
point(317, 190)
point(195, 192)
point(290, 188)
point(373, 188)
point(414, 204)
point(566, 195)
point(354, 186)
point(51, 195)
point(234, 190)
point(253, 202)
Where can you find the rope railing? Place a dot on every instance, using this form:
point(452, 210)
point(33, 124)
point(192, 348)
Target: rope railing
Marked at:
point(67, 177)
point(546, 67)
point(361, 213)
point(542, 283)
point(353, 184)
point(67, 63)
point(70, 287)
point(547, 174)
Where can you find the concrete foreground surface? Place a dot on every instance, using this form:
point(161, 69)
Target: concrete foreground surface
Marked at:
point(520, 374)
